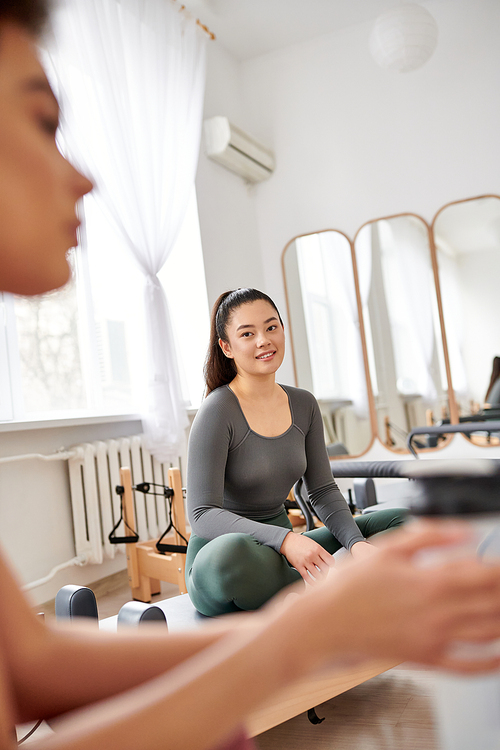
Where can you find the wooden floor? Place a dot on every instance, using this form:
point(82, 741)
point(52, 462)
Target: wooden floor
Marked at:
point(390, 712)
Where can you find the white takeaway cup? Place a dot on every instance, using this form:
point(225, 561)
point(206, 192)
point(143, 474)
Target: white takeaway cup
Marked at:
point(467, 708)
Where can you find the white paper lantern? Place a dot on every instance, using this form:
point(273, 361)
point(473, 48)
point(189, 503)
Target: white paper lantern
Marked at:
point(403, 39)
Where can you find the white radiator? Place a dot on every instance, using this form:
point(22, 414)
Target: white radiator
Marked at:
point(94, 472)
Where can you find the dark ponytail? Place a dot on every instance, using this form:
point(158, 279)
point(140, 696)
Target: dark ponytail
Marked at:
point(219, 369)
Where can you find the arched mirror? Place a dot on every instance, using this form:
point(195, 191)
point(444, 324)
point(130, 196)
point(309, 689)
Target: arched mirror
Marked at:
point(467, 240)
point(328, 351)
point(401, 325)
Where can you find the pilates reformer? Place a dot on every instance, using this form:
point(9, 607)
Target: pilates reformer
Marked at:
point(154, 560)
point(178, 613)
point(465, 707)
point(364, 472)
point(476, 424)
point(147, 566)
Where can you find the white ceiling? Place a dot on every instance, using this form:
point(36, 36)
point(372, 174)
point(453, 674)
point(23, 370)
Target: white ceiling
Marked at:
point(248, 28)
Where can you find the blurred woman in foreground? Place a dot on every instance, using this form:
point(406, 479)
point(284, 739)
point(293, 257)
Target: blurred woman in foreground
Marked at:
point(186, 691)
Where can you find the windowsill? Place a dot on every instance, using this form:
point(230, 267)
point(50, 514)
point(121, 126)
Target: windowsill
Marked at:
point(47, 424)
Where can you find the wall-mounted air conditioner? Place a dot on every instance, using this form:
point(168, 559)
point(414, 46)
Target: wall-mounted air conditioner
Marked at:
point(237, 151)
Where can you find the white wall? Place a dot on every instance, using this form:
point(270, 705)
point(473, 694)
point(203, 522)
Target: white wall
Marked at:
point(226, 205)
point(354, 142)
point(36, 529)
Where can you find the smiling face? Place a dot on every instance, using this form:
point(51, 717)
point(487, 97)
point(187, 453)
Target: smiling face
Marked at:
point(256, 339)
point(39, 189)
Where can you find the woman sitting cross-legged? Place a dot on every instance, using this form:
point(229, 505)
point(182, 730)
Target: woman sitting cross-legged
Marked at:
point(251, 440)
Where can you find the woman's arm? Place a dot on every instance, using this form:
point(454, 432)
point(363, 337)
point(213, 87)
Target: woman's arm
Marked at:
point(63, 667)
point(326, 498)
point(398, 610)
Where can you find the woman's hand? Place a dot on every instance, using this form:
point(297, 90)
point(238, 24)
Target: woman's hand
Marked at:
point(360, 550)
point(306, 556)
point(401, 610)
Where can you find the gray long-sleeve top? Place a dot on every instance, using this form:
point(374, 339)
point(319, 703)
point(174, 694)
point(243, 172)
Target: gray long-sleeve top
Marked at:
point(236, 476)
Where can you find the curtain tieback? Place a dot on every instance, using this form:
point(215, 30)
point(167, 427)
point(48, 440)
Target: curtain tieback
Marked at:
point(153, 281)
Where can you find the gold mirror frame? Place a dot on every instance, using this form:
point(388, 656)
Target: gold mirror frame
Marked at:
point(369, 391)
point(433, 258)
point(454, 412)
point(452, 402)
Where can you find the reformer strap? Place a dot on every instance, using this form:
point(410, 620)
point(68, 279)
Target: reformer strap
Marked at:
point(133, 536)
point(168, 494)
point(163, 548)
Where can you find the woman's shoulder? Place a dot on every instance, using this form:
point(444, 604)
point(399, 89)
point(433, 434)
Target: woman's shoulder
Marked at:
point(222, 393)
point(220, 405)
point(299, 395)
point(304, 406)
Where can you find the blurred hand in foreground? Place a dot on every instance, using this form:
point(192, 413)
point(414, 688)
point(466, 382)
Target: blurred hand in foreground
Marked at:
point(390, 606)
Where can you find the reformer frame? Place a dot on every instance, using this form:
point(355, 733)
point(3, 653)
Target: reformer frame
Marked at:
point(146, 566)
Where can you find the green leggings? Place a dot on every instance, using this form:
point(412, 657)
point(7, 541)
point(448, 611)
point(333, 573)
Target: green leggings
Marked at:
point(235, 572)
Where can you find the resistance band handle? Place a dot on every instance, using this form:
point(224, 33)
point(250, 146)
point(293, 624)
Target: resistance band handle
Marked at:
point(182, 548)
point(134, 536)
point(132, 539)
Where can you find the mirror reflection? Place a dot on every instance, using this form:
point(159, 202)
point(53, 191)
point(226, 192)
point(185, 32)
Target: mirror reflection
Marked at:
point(401, 326)
point(467, 239)
point(326, 342)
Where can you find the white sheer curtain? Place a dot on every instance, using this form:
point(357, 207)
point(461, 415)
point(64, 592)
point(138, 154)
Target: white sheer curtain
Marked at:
point(407, 272)
point(337, 256)
point(453, 310)
point(327, 281)
point(130, 75)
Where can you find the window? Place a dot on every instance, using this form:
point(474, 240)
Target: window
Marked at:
point(80, 351)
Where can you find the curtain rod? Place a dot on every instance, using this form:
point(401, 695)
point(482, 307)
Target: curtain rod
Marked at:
point(206, 29)
point(199, 23)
